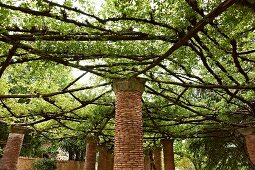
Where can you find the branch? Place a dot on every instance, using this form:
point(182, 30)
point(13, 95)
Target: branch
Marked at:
point(152, 22)
point(194, 30)
point(74, 10)
point(12, 51)
point(218, 64)
point(90, 37)
point(49, 94)
point(205, 63)
point(57, 17)
point(195, 7)
point(237, 63)
point(77, 79)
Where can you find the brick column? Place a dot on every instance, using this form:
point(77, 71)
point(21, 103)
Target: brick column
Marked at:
point(128, 143)
point(147, 162)
point(91, 150)
point(168, 154)
point(102, 157)
point(249, 134)
point(157, 158)
point(109, 160)
point(12, 149)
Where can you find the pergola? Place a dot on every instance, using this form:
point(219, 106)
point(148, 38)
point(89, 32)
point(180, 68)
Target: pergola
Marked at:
point(177, 69)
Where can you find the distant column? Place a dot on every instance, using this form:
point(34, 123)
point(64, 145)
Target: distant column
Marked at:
point(249, 134)
point(128, 146)
point(157, 158)
point(168, 154)
point(91, 150)
point(12, 149)
point(109, 160)
point(147, 162)
point(102, 159)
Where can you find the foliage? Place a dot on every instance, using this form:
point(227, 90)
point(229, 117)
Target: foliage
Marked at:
point(3, 131)
point(1, 152)
point(32, 146)
point(37, 146)
point(197, 57)
point(3, 136)
point(75, 147)
point(214, 153)
point(45, 164)
point(185, 164)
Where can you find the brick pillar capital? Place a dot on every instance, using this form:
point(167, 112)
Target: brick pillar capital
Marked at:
point(92, 138)
point(157, 148)
point(132, 84)
point(18, 129)
point(249, 134)
point(102, 147)
point(247, 131)
point(166, 141)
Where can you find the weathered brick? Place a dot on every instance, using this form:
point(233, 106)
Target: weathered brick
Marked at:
point(157, 158)
point(91, 149)
point(11, 153)
point(168, 154)
point(109, 160)
point(250, 144)
point(128, 147)
point(147, 162)
point(102, 160)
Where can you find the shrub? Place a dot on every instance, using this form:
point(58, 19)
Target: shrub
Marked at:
point(45, 164)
